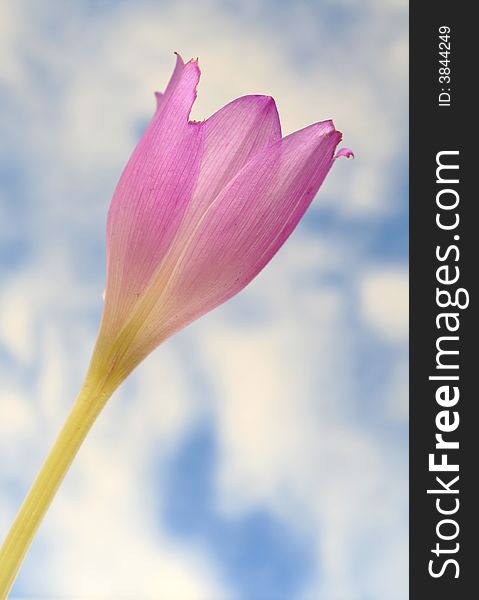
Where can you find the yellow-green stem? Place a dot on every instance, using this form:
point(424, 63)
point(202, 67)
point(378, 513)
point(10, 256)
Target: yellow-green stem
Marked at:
point(88, 405)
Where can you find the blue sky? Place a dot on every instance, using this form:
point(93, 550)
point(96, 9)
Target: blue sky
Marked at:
point(260, 454)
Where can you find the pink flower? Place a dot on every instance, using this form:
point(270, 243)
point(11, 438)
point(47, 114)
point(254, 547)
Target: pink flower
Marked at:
point(199, 210)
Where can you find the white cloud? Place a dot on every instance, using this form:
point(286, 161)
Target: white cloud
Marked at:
point(384, 302)
point(10, 31)
point(114, 549)
point(16, 324)
point(99, 538)
point(286, 435)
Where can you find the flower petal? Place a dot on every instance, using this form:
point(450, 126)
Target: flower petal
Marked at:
point(232, 137)
point(240, 232)
point(345, 152)
point(152, 195)
point(180, 92)
point(162, 97)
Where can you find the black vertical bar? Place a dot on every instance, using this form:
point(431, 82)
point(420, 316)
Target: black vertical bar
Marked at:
point(444, 123)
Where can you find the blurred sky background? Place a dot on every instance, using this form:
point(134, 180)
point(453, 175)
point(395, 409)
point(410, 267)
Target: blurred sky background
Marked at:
point(260, 454)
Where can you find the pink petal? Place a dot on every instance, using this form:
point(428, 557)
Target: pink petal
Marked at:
point(180, 92)
point(241, 231)
point(345, 152)
point(152, 195)
point(232, 136)
point(162, 97)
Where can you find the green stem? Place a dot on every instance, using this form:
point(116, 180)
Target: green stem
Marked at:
point(85, 410)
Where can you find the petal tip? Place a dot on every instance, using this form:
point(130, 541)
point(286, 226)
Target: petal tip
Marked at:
point(267, 102)
point(346, 152)
point(325, 127)
point(179, 59)
point(159, 98)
